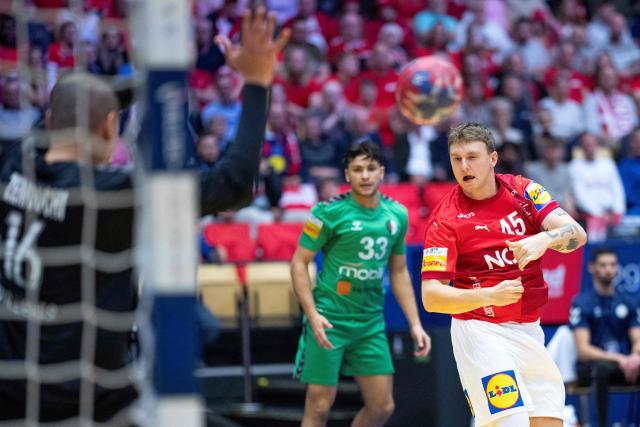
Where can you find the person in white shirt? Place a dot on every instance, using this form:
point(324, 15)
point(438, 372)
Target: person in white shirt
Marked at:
point(566, 114)
point(496, 36)
point(598, 28)
point(501, 119)
point(284, 9)
point(552, 172)
point(597, 186)
point(419, 166)
point(586, 52)
point(609, 112)
point(16, 118)
point(623, 51)
point(536, 56)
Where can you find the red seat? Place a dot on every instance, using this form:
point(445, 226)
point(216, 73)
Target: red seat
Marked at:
point(416, 228)
point(234, 238)
point(344, 188)
point(405, 193)
point(279, 241)
point(434, 192)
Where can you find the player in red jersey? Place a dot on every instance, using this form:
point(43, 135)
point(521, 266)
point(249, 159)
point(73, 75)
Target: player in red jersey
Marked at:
point(487, 236)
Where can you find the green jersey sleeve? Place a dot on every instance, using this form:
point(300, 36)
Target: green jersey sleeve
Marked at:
point(317, 229)
point(399, 246)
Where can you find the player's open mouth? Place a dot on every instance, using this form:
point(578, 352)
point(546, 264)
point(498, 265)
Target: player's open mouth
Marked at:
point(468, 178)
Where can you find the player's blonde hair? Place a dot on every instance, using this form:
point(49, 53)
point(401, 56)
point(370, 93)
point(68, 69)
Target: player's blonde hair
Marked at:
point(471, 132)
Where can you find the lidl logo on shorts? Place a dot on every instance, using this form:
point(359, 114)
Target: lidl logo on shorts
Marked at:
point(434, 259)
point(538, 195)
point(502, 391)
point(312, 227)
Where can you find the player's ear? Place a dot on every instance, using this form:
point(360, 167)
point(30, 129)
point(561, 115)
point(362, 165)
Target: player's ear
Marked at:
point(346, 175)
point(494, 158)
point(109, 129)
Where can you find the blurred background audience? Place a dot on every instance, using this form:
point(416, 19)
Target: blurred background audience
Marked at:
point(558, 82)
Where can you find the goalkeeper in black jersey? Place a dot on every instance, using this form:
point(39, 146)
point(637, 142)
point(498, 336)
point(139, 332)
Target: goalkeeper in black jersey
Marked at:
point(45, 218)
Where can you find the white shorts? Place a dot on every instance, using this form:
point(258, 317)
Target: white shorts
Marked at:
point(505, 369)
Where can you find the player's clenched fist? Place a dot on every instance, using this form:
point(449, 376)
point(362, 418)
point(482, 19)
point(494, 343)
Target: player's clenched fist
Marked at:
point(528, 249)
point(504, 293)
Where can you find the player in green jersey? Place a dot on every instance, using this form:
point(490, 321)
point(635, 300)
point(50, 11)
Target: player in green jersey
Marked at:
point(359, 233)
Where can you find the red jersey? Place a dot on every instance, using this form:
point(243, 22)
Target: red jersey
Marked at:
point(581, 84)
point(337, 46)
point(465, 242)
point(351, 89)
point(299, 93)
point(386, 84)
point(58, 56)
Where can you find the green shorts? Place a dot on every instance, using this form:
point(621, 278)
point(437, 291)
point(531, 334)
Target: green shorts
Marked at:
point(360, 348)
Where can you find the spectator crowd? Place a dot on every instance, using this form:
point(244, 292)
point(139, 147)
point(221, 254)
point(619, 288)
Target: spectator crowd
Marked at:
point(557, 81)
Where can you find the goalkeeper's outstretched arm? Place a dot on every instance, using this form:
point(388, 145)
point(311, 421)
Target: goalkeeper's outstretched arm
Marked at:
point(229, 184)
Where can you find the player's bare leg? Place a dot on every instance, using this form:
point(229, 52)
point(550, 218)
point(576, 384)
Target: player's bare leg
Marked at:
point(317, 405)
point(377, 393)
point(545, 422)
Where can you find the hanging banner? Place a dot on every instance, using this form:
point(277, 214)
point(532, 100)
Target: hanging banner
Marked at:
point(563, 274)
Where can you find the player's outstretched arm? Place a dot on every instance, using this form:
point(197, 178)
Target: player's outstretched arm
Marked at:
point(229, 184)
point(302, 287)
point(403, 291)
point(439, 297)
point(560, 232)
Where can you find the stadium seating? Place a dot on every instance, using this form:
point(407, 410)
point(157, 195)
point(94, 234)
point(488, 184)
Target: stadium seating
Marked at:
point(235, 238)
point(277, 242)
point(271, 297)
point(219, 288)
point(434, 192)
point(416, 227)
point(405, 193)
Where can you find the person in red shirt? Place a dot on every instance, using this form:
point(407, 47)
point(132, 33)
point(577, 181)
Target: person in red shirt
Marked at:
point(581, 84)
point(386, 12)
point(350, 39)
point(50, 4)
point(348, 75)
point(382, 74)
point(8, 50)
point(107, 8)
point(298, 81)
point(487, 235)
point(226, 20)
point(61, 53)
point(321, 27)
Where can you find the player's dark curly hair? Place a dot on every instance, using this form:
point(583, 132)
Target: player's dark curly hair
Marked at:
point(471, 132)
point(363, 147)
point(598, 252)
